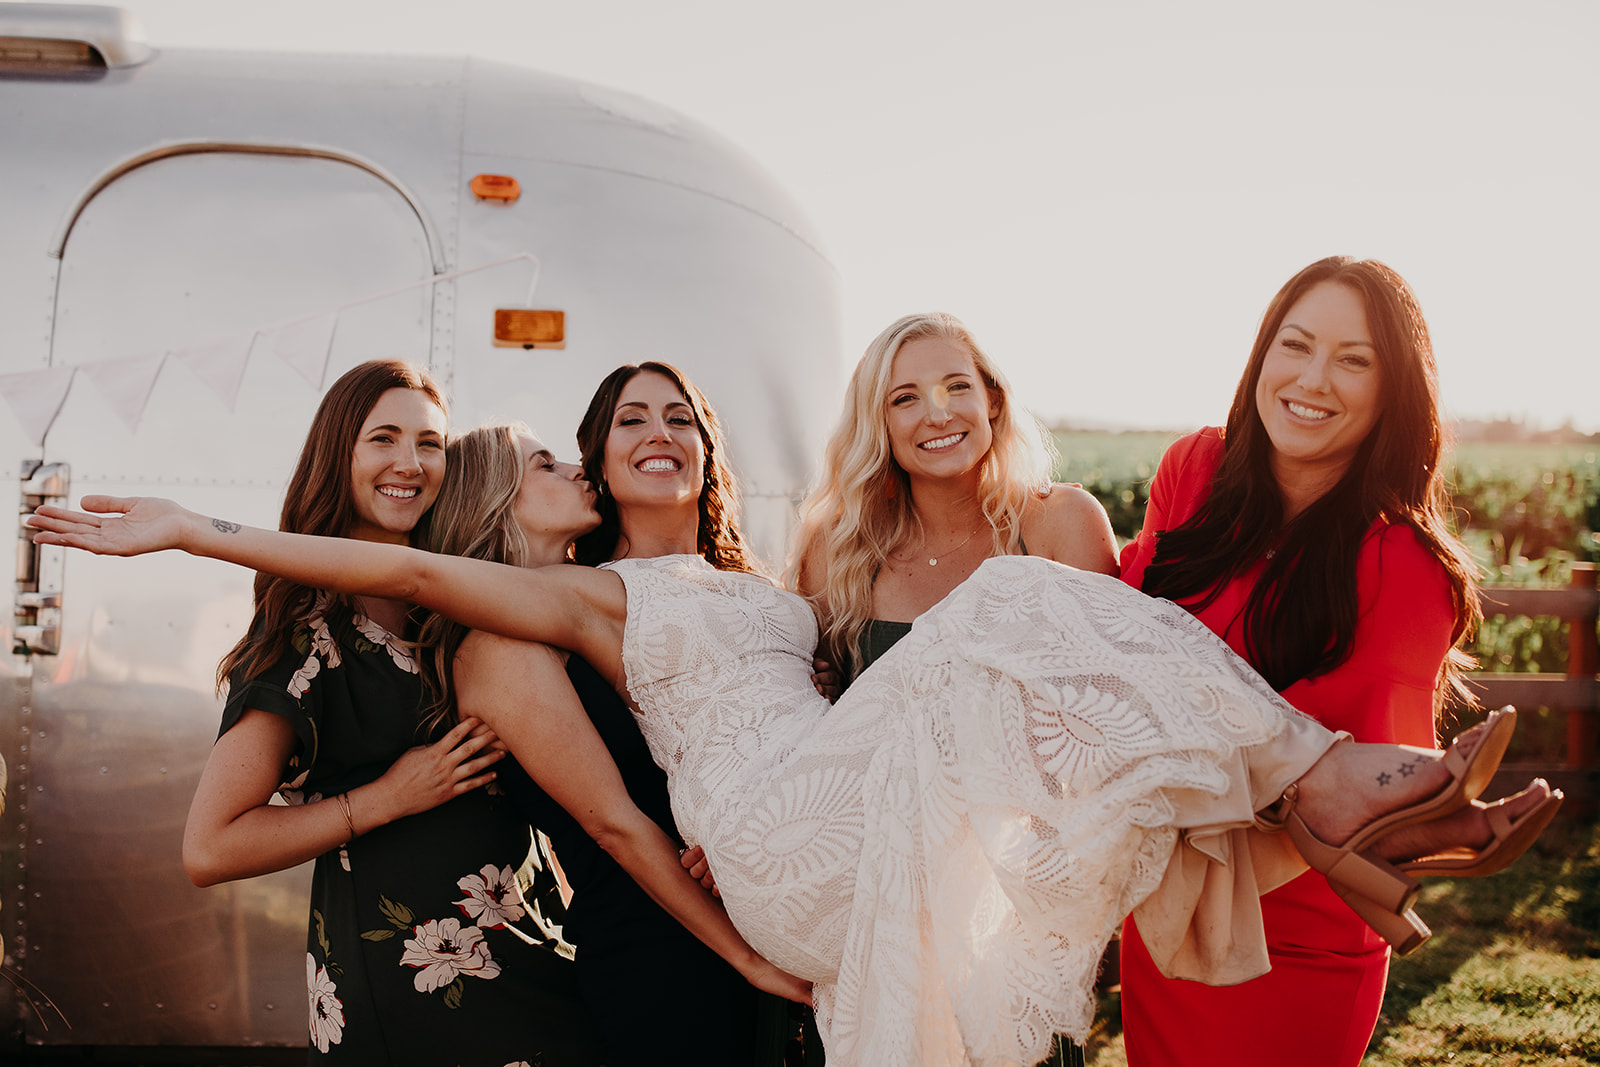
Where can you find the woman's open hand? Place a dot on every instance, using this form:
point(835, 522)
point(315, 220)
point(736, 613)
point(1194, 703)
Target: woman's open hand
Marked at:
point(428, 775)
point(116, 525)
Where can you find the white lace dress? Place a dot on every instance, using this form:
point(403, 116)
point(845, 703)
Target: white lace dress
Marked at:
point(946, 851)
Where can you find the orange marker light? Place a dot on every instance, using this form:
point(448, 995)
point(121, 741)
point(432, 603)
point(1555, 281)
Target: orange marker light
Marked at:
point(526, 328)
point(496, 187)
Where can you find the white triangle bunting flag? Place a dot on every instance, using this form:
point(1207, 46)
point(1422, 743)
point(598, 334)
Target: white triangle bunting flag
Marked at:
point(36, 396)
point(126, 384)
point(220, 365)
point(305, 346)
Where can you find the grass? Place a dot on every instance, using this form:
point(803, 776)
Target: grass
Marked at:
point(1510, 979)
point(1512, 975)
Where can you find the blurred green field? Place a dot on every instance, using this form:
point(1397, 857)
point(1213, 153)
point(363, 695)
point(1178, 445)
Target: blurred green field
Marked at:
point(1525, 458)
point(1115, 467)
point(1514, 502)
point(1135, 452)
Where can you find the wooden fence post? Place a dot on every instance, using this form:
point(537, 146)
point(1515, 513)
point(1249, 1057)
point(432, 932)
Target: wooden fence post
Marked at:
point(1583, 661)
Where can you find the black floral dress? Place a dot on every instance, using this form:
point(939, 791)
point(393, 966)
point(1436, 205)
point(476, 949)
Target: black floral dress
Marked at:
point(430, 941)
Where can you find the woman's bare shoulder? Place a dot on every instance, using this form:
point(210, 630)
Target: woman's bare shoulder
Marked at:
point(483, 654)
point(811, 573)
point(1067, 524)
point(495, 674)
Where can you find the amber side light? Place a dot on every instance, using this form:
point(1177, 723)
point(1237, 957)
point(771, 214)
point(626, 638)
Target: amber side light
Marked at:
point(524, 328)
point(48, 55)
point(496, 187)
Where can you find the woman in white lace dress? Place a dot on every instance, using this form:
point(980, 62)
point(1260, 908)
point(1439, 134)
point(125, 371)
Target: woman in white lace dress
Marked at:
point(945, 851)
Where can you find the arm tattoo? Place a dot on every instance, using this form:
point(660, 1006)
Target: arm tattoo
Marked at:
point(226, 527)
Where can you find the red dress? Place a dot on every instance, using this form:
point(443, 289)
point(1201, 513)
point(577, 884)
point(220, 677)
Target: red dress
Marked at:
point(1318, 1005)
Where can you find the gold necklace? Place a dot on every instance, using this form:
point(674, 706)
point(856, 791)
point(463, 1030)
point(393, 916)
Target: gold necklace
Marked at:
point(933, 561)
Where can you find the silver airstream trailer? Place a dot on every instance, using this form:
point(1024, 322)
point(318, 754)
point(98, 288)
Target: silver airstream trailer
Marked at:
point(192, 245)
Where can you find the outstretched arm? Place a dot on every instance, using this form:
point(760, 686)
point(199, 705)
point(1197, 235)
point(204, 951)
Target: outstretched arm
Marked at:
point(570, 607)
point(522, 690)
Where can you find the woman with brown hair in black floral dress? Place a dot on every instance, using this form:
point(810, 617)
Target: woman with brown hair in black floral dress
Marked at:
point(420, 948)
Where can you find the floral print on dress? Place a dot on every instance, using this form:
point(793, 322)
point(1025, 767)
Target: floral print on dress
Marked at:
point(493, 897)
point(323, 643)
point(546, 897)
point(357, 714)
point(321, 647)
point(327, 1010)
point(318, 643)
point(443, 950)
point(292, 790)
point(302, 677)
point(399, 651)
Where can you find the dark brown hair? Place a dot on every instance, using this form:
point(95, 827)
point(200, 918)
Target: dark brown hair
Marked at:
point(1300, 618)
point(719, 539)
point(318, 501)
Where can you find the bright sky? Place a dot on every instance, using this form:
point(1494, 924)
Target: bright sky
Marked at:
point(1109, 191)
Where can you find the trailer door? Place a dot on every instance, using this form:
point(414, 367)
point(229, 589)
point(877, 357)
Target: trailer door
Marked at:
point(197, 263)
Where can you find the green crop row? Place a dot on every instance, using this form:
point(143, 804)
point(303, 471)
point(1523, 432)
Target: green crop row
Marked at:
point(1514, 503)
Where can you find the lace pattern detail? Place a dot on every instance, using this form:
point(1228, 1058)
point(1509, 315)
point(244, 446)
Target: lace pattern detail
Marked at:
point(947, 850)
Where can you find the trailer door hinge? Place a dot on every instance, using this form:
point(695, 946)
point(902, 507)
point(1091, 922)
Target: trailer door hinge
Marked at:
point(39, 567)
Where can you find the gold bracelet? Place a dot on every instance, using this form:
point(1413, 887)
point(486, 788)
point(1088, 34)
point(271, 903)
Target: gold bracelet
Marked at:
point(349, 820)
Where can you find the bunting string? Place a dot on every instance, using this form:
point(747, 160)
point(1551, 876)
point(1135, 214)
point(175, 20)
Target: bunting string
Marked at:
point(305, 344)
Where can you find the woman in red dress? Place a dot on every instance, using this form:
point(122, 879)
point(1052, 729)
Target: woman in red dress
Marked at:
point(1310, 535)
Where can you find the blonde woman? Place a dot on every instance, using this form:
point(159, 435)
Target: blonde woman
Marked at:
point(933, 469)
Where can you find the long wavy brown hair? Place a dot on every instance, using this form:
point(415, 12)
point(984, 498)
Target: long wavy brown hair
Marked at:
point(1300, 617)
point(720, 540)
point(475, 516)
point(318, 500)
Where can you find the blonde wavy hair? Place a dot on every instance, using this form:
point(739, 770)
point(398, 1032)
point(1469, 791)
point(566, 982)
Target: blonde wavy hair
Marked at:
point(861, 510)
point(475, 516)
